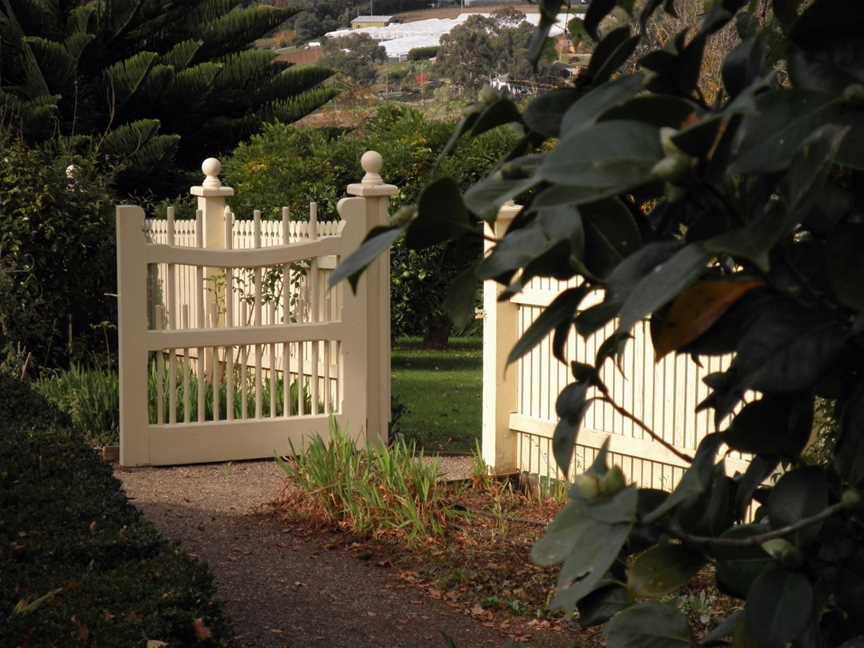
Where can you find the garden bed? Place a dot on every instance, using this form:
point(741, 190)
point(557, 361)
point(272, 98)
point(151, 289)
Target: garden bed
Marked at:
point(79, 564)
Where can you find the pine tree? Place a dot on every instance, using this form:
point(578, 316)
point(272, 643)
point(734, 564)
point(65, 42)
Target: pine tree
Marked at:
point(150, 83)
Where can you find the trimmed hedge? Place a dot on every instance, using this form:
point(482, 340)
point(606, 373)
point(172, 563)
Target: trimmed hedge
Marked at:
point(423, 53)
point(79, 565)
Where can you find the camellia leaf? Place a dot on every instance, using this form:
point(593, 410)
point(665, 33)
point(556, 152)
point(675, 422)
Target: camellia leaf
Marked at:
point(777, 425)
point(759, 469)
point(695, 480)
point(799, 494)
point(649, 625)
point(570, 406)
point(849, 455)
point(602, 604)
point(590, 107)
point(545, 114)
point(441, 216)
point(663, 569)
point(597, 11)
point(610, 53)
point(694, 311)
point(846, 265)
point(779, 607)
point(562, 309)
point(598, 547)
point(662, 284)
point(610, 154)
point(377, 241)
point(461, 297)
point(738, 567)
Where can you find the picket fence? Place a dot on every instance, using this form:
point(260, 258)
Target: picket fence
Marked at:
point(231, 344)
point(519, 402)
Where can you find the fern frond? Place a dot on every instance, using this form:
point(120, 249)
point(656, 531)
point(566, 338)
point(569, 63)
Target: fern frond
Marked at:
point(191, 87)
point(130, 138)
point(246, 70)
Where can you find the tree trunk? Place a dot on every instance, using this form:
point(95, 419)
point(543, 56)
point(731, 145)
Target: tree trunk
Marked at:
point(438, 334)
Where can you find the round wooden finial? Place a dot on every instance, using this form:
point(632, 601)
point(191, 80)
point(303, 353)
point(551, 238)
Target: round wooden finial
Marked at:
point(372, 163)
point(212, 168)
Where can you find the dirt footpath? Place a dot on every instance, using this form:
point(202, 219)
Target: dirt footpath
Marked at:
point(280, 589)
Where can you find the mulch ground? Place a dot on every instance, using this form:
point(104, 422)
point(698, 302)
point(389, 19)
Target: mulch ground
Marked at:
point(285, 583)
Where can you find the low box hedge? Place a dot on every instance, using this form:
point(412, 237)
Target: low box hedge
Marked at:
point(79, 565)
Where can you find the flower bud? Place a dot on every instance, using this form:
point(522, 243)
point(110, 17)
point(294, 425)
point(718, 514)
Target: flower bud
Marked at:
point(613, 482)
point(587, 486)
point(851, 498)
point(854, 94)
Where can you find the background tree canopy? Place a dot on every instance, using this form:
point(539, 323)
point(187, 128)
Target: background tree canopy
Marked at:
point(148, 81)
point(355, 56)
point(735, 226)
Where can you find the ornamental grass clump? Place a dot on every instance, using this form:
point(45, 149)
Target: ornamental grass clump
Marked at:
point(378, 491)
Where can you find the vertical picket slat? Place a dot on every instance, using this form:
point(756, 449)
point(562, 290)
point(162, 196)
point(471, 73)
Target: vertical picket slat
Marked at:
point(327, 407)
point(186, 369)
point(257, 315)
point(272, 366)
point(172, 324)
point(244, 369)
point(229, 318)
point(314, 304)
point(286, 293)
point(215, 380)
point(200, 322)
point(160, 369)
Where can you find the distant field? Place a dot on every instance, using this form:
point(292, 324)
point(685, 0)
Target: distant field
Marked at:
point(453, 12)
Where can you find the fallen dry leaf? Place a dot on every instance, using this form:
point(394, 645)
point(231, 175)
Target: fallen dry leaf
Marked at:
point(202, 632)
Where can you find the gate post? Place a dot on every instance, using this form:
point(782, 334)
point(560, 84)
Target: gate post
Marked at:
point(131, 329)
point(367, 312)
point(211, 203)
point(500, 385)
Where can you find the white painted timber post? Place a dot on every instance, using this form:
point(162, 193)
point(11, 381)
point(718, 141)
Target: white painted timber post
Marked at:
point(367, 312)
point(500, 331)
point(132, 328)
point(211, 203)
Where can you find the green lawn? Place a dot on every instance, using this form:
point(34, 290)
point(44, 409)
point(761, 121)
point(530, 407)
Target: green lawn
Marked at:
point(442, 391)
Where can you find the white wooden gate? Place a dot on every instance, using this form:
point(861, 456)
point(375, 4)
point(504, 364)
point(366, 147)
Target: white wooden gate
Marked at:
point(258, 355)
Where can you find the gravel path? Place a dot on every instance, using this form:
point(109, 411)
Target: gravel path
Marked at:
point(280, 589)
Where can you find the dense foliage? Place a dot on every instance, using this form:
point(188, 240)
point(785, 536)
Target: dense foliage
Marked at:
point(355, 56)
point(486, 47)
point(56, 255)
point(80, 565)
point(286, 166)
point(735, 226)
point(148, 80)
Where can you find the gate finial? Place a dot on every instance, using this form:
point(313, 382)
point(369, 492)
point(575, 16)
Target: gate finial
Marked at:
point(372, 163)
point(211, 168)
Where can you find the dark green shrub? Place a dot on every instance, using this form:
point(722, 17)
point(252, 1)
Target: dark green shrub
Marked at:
point(80, 565)
point(734, 227)
point(423, 53)
point(56, 254)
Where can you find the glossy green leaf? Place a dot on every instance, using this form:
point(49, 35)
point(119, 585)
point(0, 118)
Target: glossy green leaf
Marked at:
point(779, 607)
point(799, 494)
point(562, 309)
point(663, 569)
point(664, 282)
point(738, 567)
point(775, 425)
point(649, 625)
point(849, 456)
point(602, 604)
point(585, 112)
point(461, 298)
point(545, 113)
point(570, 406)
point(610, 154)
point(695, 480)
point(611, 53)
point(377, 241)
point(441, 216)
point(846, 265)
